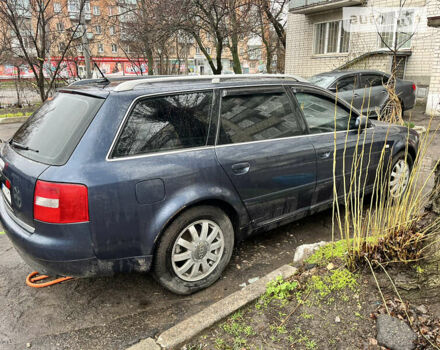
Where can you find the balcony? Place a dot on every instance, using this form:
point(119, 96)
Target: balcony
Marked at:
point(314, 6)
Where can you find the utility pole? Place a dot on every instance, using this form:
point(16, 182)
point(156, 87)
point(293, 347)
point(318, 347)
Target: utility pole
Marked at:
point(85, 40)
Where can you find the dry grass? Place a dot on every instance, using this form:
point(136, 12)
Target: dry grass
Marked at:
point(383, 229)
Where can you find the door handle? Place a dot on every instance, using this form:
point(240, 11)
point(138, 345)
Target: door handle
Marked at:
point(325, 155)
point(240, 168)
point(384, 91)
point(356, 95)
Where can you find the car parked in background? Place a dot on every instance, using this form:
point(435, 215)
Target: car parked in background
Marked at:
point(168, 174)
point(366, 90)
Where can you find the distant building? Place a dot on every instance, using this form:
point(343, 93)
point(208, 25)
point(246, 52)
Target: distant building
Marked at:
point(109, 45)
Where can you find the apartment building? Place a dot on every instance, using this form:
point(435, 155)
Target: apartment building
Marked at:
point(109, 46)
point(318, 41)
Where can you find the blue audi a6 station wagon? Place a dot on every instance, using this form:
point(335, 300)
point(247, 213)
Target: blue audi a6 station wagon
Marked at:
point(168, 174)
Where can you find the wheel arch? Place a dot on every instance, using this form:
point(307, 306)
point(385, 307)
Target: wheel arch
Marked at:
point(231, 211)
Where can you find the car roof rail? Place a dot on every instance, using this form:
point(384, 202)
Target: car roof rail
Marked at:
point(131, 84)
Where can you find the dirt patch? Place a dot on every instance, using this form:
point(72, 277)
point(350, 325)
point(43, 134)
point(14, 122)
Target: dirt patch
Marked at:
point(324, 307)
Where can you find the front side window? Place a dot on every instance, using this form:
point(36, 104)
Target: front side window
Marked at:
point(321, 113)
point(346, 84)
point(330, 37)
point(166, 123)
point(256, 115)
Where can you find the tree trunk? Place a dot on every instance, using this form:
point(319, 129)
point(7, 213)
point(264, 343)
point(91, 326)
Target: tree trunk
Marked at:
point(150, 59)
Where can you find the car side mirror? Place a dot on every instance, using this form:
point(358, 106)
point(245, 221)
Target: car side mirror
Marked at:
point(362, 122)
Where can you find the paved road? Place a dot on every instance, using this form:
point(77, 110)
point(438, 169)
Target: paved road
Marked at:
point(112, 313)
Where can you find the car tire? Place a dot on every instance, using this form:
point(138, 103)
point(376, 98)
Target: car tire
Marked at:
point(402, 164)
point(189, 258)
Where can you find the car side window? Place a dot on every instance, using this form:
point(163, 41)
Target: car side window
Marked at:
point(166, 123)
point(321, 113)
point(258, 115)
point(346, 84)
point(371, 80)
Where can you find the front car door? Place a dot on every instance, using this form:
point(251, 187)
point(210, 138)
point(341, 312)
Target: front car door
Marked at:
point(263, 148)
point(332, 128)
point(347, 88)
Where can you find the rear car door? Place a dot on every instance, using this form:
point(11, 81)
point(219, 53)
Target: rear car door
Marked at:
point(322, 115)
point(263, 148)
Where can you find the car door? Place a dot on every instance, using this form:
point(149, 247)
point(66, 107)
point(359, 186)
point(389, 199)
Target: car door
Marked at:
point(263, 148)
point(347, 89)
point(373, 86)
point(332, 129)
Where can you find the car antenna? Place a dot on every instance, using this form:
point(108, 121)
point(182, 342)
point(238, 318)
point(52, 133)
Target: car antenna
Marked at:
point(105, 79)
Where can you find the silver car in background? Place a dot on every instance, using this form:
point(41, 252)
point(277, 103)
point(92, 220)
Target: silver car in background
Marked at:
point(366, 89)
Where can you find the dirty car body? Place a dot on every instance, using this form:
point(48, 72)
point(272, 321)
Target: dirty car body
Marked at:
point(93, 179)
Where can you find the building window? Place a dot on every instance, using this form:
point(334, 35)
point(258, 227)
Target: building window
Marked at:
point(110, 11)
point(114, 48)
point(60, 26)
point(391, 32)
point(330, 37)
point(112, 30)
point(61, 47)
point(197, 50)
point(254, 53)
point(208, 50)
point(101, 48)
point(98, 29)
point(96, 10)
point(56, 7)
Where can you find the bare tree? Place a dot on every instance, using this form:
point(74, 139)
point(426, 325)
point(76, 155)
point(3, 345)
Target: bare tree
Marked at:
point(203, 20)
point(35, 37)
point(274, 13)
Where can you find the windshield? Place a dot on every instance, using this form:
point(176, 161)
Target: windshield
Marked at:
point(322, 80)
point(51, 134)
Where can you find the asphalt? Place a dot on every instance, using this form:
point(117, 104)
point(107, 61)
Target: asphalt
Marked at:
point(116, 312)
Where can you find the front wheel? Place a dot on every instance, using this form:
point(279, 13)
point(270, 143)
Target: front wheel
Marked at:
point(400, 175)
point(194, 250)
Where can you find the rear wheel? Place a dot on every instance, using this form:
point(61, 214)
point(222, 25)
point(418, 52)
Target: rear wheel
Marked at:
point(194, 250)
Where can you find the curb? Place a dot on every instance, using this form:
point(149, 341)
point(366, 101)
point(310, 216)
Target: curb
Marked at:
point(11, 120)
point(189, 328)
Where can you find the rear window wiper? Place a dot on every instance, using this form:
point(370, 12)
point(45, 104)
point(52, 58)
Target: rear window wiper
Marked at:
point(23, 147)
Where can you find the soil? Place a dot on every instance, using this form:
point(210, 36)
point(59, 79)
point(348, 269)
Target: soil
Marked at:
point(313, 317)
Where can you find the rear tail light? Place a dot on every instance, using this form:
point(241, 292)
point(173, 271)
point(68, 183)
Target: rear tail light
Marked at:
point(60, 203)
point(8, 184)
point(414, 87)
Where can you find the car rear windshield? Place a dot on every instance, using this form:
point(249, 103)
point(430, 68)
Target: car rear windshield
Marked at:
point(51, 134)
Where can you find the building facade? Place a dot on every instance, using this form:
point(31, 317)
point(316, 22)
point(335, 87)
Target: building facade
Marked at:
point(325, 44)
point(109, 46)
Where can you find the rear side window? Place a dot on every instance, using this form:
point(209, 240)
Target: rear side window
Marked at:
point(372, 80)
point(54, 130)
point(322, 113)
point(256, 115)
point(166, 123)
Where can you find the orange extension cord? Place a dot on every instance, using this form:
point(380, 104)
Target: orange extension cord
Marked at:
point(34, 277)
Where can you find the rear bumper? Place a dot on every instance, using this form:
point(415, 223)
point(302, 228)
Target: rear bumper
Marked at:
point(409, 102)
point(64, 250)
